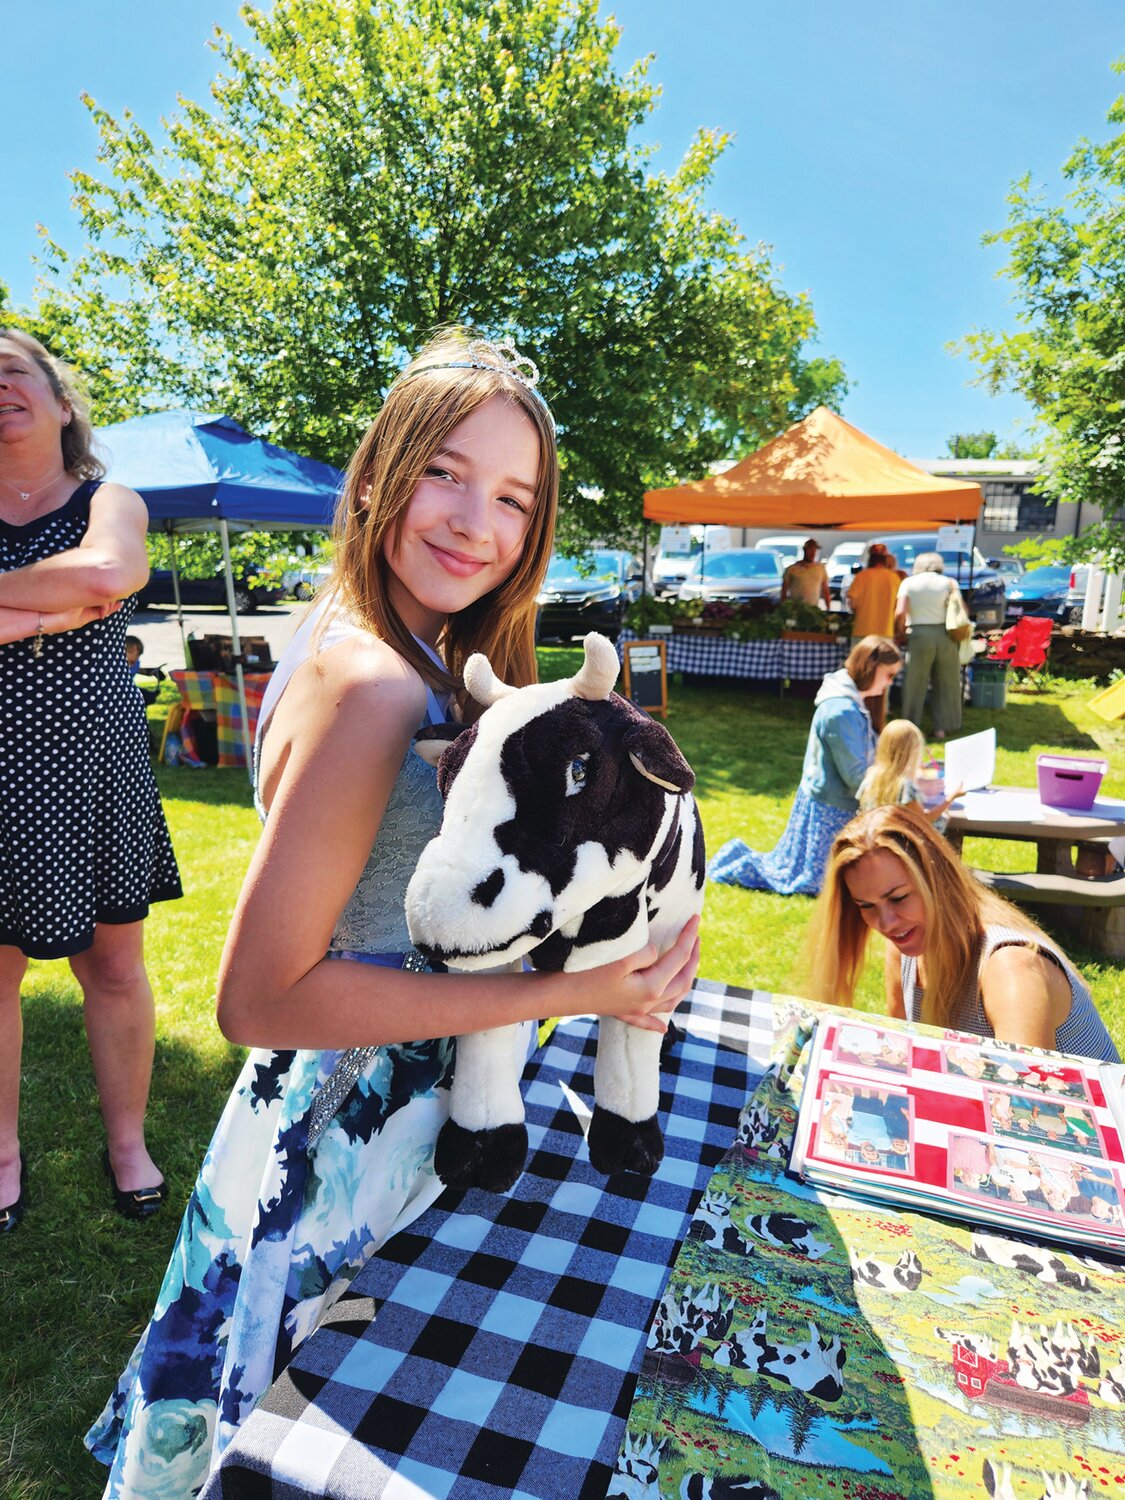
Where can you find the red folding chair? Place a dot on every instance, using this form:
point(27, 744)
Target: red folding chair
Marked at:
point(1025, 648)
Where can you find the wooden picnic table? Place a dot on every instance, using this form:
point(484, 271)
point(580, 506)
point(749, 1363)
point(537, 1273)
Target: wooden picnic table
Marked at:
point(1095, 906)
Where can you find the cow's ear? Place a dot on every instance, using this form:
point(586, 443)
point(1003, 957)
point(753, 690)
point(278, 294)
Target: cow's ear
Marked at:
point(430, 743)
point(656, 756)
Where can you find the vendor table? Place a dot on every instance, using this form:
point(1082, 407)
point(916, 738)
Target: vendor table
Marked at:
point(699, 655)
point(496, 1350)
point(217, 693)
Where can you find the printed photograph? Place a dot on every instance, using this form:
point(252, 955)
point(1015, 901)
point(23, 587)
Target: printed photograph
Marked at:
point(872, 1047)
point(867, 1126)
point(1030, 1118)
point(1017, 1070)
point(1082, 1191)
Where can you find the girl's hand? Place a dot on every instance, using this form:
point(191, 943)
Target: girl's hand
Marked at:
point(644, 989)
point(60, 621)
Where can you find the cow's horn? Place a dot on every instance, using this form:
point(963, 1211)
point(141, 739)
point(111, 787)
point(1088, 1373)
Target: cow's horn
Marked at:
point(482, 682)
point(598, 673)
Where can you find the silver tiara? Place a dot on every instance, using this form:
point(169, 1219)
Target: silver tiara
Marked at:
point(503, 357)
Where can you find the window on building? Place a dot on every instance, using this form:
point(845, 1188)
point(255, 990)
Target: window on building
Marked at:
point(1010, 505)
point(1037, 513)
point(1001, 509)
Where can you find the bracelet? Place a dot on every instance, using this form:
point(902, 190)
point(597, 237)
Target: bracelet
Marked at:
point(37, 643)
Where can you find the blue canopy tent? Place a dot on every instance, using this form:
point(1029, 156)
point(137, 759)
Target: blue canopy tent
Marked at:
point(198, 471)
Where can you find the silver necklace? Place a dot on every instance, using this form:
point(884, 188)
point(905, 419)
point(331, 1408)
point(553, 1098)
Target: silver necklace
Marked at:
point(26, 495)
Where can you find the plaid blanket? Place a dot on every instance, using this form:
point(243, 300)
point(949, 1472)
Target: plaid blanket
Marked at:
point(492, 1349)
point(215, 692)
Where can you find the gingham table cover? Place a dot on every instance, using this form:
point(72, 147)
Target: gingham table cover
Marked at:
point(218, 693)
point(719, 656)
point(492, 1349)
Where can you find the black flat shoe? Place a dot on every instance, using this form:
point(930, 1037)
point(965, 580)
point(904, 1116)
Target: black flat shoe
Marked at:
point(11, 1216)
point(141, 1203)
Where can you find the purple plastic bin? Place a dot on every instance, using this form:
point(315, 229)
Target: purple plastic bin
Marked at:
point(1070, 780)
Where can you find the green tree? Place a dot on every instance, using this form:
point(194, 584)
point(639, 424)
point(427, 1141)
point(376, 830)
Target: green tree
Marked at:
point(368, 170)
point(971, 444)
point(1066, 262)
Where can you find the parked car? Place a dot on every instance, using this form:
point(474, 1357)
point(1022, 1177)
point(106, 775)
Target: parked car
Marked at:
point(1053, 589)
point(1009, 568)
point(303, 583)
point(675, 550)
point(734, 576)
point(984, 601)
point(591, 592)
point(842, 566)
point(789, 547)
point(248, 594)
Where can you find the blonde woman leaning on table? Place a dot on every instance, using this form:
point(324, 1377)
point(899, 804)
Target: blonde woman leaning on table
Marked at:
point(957, 954)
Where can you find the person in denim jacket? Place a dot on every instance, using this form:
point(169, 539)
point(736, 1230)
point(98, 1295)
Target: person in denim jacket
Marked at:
point(841, 747)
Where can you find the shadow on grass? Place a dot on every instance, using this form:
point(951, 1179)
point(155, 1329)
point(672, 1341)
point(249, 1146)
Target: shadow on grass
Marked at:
point(77, 1282)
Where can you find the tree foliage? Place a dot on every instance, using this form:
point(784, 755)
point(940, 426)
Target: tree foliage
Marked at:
point(971, 444)
point(368, 170)
point(1067, 354)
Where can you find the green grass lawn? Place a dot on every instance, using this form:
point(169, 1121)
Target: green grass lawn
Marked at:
point(77, 1283)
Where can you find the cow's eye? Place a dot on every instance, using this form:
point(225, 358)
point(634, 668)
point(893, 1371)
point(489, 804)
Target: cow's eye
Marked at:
point(576, 775)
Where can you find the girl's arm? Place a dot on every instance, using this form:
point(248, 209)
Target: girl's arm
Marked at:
point(109, 562)
point(348, 720)
point(934, 813)
point(1025, 995)
point(892, 980)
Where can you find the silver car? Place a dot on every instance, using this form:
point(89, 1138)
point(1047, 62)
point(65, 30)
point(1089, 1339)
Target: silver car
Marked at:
point(734, 576)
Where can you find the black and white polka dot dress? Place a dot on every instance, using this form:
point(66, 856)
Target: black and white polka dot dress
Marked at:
point(82, 832)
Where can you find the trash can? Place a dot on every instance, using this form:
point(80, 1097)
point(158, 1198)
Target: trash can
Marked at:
point(988, 687)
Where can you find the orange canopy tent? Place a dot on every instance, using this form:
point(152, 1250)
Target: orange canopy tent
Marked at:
point(821, 472)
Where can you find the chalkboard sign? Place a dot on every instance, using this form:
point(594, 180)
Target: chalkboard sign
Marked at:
point(646, 678)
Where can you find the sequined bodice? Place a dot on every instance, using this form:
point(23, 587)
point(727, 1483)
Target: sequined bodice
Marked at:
point(374, 920)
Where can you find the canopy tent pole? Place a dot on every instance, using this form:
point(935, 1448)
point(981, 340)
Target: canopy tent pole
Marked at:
point(176, 594)
point(236, 645)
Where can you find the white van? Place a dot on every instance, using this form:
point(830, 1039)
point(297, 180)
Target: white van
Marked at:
point(789, 547)
point(677, 549)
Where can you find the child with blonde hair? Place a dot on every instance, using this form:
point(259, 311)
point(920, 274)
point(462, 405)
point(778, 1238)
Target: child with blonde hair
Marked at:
point(892, 778)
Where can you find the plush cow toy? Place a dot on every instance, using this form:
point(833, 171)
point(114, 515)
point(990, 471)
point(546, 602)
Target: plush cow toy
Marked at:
point(570, 835)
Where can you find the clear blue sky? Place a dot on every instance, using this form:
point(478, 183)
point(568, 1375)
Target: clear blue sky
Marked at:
point(874, 144)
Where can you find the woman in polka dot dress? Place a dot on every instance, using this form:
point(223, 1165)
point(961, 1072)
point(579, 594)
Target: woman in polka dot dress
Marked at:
point(83, 844)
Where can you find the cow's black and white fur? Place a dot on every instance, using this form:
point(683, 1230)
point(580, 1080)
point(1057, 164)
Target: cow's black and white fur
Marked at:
point(903, 1275)
point(813, 1367)
point(1035, 1260)
point(570, 836)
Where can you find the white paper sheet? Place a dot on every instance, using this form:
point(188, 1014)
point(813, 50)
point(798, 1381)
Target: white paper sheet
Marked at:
point(970, 762)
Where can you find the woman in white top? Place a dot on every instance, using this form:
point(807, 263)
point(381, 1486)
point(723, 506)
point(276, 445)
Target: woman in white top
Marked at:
point(932, 660)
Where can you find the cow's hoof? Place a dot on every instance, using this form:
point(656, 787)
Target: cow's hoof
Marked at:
point(489, 1159)
point(617, 1145)
point(673, 1035)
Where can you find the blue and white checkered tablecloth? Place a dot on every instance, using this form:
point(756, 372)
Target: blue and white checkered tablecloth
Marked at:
point(719, 656)
point(490, 1351)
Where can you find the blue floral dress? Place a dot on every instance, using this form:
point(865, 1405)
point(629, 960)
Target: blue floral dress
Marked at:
point(275, 1228)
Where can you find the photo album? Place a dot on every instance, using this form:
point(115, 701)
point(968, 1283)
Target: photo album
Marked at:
point(1023, 1141)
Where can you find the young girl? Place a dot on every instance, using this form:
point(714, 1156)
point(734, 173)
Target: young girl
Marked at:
point(325, 1147)
point(893, 774)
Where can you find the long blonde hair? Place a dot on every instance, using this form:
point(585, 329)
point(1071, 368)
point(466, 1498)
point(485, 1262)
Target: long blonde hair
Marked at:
point(77, 436)
point(442, 386)
point(957, 910)
point(898, 754)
